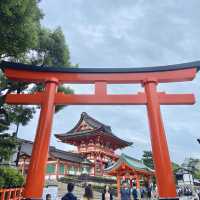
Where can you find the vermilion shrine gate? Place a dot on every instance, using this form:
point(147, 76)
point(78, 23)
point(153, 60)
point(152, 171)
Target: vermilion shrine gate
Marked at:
point(53, 76)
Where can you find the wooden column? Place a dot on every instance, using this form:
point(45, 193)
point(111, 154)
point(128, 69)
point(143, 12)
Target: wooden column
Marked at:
point(95, 160)
point(102, 170)
point(37, 167)
point(131, 183)
point(23, 166)
point(137, 182)
point(137, 179)
point(57, 169)
point(118, 186)
point(163, 169)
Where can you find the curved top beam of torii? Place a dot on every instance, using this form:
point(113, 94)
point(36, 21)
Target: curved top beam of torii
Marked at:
point(20, 66)
point(168, 73)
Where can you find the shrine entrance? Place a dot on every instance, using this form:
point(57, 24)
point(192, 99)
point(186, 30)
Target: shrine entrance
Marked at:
point(149, 77)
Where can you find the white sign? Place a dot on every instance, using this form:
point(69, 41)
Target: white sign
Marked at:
point(52, 190)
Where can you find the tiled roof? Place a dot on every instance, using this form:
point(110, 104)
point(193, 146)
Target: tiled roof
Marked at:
point(98, 127)
point(68, 156)
point(95, 124)
point(131, 162)
point(26, 149)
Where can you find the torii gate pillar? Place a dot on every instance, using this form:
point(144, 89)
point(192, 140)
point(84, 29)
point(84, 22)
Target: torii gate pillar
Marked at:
point(162, 163)
point(37, 168)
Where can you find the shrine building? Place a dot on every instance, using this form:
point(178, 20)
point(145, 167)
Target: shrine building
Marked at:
point(96, 146)
point(95, 141)
point(60, 163)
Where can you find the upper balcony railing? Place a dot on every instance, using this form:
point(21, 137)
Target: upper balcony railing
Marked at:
point(94, 148)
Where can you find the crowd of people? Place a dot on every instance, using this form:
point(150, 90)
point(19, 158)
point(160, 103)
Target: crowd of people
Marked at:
point(188, 192)
point(88, 193)
point(126, 193)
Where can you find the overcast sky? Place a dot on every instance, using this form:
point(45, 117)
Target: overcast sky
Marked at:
point(129, 33)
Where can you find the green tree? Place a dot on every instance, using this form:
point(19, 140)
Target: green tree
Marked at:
point(8, 145)
point(19, 115)
point(10, 178)
point(22, 39)
point(20, 23)
point(175, 167)
point(148, 159)
point(197, 174)
point(193, 166)
point(52, 49)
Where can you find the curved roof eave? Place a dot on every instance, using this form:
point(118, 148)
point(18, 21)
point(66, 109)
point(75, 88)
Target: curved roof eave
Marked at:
point(123, 159)
point(92, 132)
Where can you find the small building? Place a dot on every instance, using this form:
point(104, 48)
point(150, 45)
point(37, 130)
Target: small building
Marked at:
point(95, 141)
point(130, 169)
point(60, 163)
point(184, 177)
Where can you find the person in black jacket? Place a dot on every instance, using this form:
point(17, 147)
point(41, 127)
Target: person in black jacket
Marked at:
point(135, 193)
point(107, 193)
point(69, 195)
point(48, 197)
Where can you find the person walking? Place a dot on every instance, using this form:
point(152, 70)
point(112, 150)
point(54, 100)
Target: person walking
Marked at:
point(107, 193)
point(198, 193)
point(69, 195)
point(125, 192)
point(135, 193)
point(48, 197)
point(88, 195)
point(149, 191)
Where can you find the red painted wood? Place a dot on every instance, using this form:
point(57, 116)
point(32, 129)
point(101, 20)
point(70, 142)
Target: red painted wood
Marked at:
point(163, 169)
point(72, 99)
point(17, 193)
point(118, 187)
point(37, 168)
point(49, 99)
point(162, 77)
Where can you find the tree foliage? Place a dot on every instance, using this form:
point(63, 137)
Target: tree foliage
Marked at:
point(193, 165)
point(175, 167)
point(52, 49)
point(10, 178)
point(8, 145)
point(148, 159)
point(20, 22)
point(23, 39)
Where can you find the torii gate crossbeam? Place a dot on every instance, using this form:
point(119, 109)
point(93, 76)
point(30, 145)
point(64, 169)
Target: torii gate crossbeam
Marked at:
point(148, 77)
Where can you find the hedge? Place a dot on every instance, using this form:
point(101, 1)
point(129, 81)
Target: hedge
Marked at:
point(10, 178)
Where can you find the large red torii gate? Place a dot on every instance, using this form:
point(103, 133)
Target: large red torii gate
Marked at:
point(148, 77)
